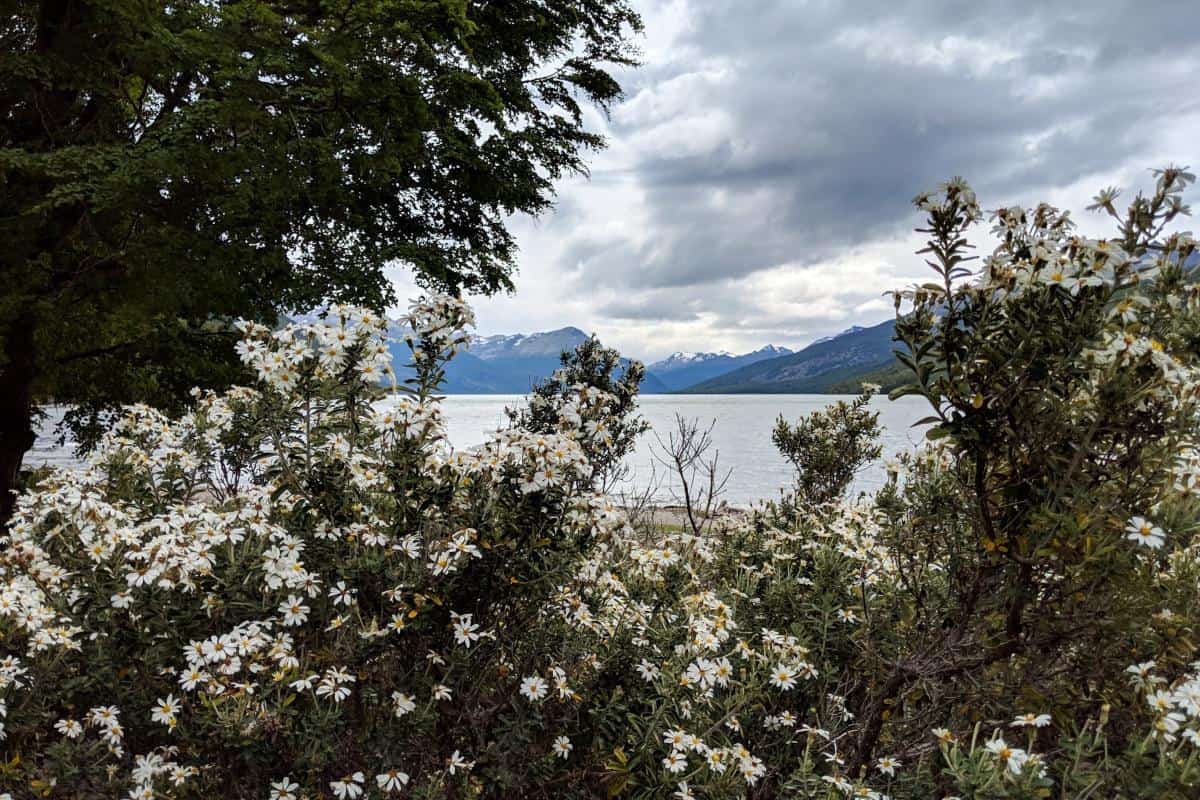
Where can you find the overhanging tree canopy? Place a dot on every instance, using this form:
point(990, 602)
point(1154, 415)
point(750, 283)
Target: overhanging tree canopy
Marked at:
point(166, 167)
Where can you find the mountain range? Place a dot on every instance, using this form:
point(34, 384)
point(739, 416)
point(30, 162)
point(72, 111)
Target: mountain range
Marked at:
point(511, 364)
point(508, 364)
point(833, 364)
point(680, 370)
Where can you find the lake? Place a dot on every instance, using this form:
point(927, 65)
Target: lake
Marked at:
point(741, 436)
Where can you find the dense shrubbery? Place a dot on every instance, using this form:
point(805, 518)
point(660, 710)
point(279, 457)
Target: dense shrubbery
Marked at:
point(296, 591)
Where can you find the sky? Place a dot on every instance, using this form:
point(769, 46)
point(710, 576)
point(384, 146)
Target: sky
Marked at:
point(759, 173)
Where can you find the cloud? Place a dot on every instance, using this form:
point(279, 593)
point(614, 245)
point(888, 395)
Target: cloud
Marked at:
point(757, 184)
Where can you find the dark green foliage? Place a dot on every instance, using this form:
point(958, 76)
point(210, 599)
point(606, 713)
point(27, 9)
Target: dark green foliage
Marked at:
point(1058, 402)
point(828, 447)
point(167, 168)
point(890, 375)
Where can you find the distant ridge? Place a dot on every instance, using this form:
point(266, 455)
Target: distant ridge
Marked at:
point(507, 364)
point(825, 366)
point(680, 370)
point(532, 345)
point(514, 363)
point(851, 329)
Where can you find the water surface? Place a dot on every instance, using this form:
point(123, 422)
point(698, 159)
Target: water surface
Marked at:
point(741, 436)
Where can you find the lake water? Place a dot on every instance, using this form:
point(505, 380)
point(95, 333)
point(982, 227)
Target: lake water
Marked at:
point(741, 436)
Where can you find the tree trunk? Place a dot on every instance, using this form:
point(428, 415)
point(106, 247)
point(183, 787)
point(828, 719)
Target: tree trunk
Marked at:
point(16, 410)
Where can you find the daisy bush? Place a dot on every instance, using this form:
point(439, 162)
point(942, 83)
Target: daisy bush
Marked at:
point(300, 590)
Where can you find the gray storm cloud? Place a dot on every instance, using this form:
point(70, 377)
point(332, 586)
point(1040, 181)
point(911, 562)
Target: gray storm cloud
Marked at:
point(760, 169)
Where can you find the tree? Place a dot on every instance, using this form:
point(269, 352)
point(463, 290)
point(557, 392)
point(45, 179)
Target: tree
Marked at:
point(168, 168)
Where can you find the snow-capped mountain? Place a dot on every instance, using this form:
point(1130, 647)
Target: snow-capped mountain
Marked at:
point(523, 345)
point(771, 351)
point(826, 365)
point(509, 363)
point(677, 360)
point(681, 370)
point(848, 331)
point(513, 363)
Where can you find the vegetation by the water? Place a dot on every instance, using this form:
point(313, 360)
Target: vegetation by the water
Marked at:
point(290, 591)
point(890, 376)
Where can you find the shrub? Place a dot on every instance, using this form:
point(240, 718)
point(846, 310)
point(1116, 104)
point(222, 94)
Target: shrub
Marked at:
point(294, 586)
point(589, 373)
point(829, 447)
point(297, 590)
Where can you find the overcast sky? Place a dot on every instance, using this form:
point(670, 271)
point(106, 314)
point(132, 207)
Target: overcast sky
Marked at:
point(758, 179)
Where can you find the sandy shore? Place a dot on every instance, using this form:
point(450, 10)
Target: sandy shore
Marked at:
point(676, 516)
